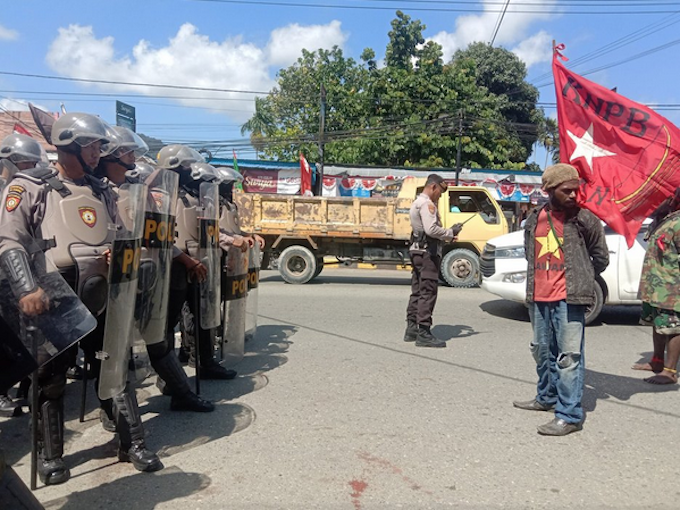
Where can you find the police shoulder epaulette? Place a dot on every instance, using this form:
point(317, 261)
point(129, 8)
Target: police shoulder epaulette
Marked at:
point(47, 176)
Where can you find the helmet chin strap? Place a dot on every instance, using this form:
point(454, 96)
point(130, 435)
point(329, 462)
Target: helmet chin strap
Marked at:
point(74, 149)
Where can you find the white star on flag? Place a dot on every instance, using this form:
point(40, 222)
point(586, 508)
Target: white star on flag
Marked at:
point(585, 146)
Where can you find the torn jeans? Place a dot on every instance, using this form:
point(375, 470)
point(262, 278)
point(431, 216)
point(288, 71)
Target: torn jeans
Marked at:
point(557, 348)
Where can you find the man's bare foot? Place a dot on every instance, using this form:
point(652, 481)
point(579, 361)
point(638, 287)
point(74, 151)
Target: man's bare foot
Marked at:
point(655, 365)
point(665, 377)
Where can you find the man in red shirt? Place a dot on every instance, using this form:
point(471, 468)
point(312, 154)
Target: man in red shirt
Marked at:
point(566, 250)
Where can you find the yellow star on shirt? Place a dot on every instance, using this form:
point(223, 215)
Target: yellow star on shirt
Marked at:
point(550, 244)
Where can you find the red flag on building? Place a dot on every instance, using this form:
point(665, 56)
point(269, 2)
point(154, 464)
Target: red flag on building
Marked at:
point(305, 177)
point(626, 154)
point(18, 128)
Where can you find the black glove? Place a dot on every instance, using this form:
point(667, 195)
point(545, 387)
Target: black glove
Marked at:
point(457, 228)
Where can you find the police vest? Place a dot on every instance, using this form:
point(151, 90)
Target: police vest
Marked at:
point(186, 232)
point(229, 218)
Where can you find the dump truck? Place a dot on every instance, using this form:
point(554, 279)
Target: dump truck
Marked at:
point(302, 232)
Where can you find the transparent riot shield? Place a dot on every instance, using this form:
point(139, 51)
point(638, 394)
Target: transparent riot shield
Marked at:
point(154, 274)
point(253, 284)
point(126, 253)
point(62, 324)
point(235, 290)
point(209, 254)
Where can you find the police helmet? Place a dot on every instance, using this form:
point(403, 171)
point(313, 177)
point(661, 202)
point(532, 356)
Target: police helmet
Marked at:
point(141, 172)
point(205, 172)
point(176, 156)
point(229, 175)
point(122, 142)
point(20, 148)
point(82, 129)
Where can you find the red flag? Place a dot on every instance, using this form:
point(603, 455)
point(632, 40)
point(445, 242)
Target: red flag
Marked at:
point(626, 154)
point(305, 176)
point(18, 128)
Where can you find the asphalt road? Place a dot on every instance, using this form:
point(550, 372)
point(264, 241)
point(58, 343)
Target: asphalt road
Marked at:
point(332, 410)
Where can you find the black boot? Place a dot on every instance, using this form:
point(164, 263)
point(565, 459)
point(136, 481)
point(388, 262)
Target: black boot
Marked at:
point(51, 467)
point(106, 415)
point(8, 407)
point(176, 384)
point(427, 339)
point(210, 369)
point(411, 331)
point(130, 430)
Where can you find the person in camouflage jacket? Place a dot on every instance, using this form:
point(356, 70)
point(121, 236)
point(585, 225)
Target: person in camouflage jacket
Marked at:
point(660, 293)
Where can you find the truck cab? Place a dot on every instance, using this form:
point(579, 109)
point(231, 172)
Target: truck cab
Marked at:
point(482, 219)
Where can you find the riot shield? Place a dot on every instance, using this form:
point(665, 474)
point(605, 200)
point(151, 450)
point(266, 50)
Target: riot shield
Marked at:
point(65, 321)
point(154, 274)
point(235, 290)
point(253, 284)
point(123, 274)
point(209, 254)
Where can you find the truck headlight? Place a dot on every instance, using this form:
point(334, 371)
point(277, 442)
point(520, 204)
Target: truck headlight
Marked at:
point(513, 252)
point(515, 277)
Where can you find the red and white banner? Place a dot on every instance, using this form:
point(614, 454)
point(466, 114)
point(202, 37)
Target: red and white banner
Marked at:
point(627, 155)
point(267, 181)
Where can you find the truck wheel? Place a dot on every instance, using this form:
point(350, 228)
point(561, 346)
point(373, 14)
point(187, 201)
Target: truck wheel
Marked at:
point(319, 267)
point(460, 268)
point(297, 264)
point(593, 312)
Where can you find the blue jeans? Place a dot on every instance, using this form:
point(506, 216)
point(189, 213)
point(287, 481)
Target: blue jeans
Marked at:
point(558, 350)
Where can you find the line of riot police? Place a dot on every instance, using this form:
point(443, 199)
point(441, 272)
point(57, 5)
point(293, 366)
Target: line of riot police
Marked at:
point(103, 249)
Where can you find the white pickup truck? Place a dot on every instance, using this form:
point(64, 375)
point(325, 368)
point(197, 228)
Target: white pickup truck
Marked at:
point(504, 270)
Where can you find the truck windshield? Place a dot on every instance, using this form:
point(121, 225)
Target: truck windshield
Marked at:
point(473, 202)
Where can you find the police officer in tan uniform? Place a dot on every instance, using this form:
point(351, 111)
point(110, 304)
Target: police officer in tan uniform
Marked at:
point(66, 211)
point(426, 252)
point(180, 159)
point(118, 166)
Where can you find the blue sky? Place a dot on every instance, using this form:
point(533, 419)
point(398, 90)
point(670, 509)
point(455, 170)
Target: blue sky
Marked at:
point(240, 46)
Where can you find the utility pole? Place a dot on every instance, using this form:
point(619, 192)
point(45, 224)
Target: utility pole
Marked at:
point(460, 147)
point(322, 124)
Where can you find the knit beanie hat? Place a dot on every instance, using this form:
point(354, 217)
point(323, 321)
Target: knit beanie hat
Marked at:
point(555, 175)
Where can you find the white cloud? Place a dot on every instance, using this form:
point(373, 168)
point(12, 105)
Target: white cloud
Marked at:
point(514, 31)
point(286, 43)
point(7, 34)
point(189, 59)
point(535, 49)
point(13, 105)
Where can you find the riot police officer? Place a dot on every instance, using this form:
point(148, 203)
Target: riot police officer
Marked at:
point(17, 152)
point(66, 211)
point(425, 252)
point(118, 164)
point(180, 159)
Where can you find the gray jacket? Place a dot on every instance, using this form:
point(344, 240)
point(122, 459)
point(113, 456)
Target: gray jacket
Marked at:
point(585, 255)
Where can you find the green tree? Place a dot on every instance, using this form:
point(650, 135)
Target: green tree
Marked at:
point(261, 124)
point(409, 112)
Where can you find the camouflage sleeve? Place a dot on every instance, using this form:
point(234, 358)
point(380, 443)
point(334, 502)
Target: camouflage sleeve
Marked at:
point(428, 216)
point(21, 214)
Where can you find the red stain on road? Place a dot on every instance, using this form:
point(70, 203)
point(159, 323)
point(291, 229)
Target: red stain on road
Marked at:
point(358, 486)
point(387, 465)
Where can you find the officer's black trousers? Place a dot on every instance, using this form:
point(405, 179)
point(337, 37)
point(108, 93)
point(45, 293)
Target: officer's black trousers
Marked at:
point(182, 291)
point(424, 286)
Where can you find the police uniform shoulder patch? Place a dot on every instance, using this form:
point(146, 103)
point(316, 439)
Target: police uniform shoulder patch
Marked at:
point(432, 208)
point(14, 195)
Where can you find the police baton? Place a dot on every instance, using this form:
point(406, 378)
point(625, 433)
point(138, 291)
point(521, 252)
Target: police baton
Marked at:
point(32, 340)
point(197, 349)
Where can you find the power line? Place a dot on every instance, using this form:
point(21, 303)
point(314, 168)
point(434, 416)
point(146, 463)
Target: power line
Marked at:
point(447, 9)
point(499, 22)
